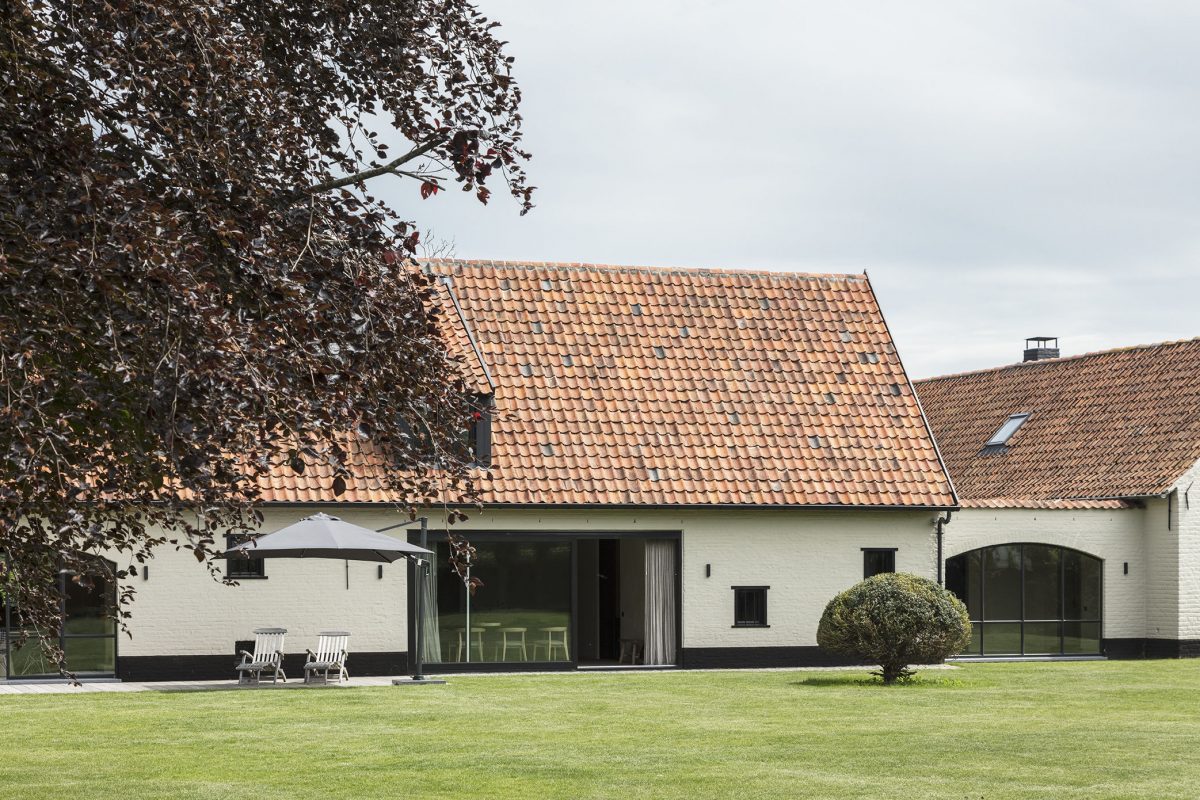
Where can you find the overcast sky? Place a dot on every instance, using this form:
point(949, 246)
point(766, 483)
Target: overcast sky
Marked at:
point(1001, 169)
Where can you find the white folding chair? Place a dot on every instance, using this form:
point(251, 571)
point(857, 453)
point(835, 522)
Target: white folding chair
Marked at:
point(330, 656)
point(267, 657)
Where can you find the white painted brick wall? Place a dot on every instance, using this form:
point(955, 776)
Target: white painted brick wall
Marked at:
point(1185, 507)
point(1113, 535)
point(806, 559)
point(181, 610)
point(1162, 565)
point(805, 556)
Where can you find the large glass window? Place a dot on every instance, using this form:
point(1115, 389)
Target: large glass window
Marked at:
point(1029, 599)
point(88, 635)
point(521, 613)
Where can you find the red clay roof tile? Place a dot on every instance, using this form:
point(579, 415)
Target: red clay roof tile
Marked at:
point(1119, 423)
point(640, 394)
point(724, 413)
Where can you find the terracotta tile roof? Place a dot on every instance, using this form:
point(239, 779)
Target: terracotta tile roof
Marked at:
point(1120, 423)
point(283, 485)
point(631, 385)
point(461, 341)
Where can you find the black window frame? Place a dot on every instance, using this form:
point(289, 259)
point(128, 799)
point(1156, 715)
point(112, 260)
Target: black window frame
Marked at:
point(740, 592)
point(868, 552)
point(479, 435)
point(982, 621)
point(232, 540)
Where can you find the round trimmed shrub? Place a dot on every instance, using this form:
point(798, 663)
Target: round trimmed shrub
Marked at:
point(894, 620)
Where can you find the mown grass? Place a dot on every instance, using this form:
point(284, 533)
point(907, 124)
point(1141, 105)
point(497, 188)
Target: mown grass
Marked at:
point(1051, 730)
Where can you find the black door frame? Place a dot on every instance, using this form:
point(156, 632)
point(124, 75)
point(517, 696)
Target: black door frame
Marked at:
point(574, 536)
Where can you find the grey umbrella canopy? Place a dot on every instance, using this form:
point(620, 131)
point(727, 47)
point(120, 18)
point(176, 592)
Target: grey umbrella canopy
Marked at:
point(323, 536)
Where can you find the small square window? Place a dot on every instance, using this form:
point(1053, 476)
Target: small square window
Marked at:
point(877, 560)
point(750, 606)
point(243, 568)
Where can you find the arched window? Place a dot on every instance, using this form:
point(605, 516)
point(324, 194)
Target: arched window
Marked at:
point(1029, 599)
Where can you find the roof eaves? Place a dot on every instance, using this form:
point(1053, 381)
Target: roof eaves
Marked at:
point(648, 506)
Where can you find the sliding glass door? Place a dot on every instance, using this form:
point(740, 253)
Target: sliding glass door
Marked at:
point(602, 599)
point(522, 613)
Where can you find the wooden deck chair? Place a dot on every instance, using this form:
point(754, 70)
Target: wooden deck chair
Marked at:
point(267, 657)
point(330, 656)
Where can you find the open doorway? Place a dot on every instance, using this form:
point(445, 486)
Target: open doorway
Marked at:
point(627, 602)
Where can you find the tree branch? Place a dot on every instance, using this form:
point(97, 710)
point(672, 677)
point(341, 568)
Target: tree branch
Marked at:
point(358, 177)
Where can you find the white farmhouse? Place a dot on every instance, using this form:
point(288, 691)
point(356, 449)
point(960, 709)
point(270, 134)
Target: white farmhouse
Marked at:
point(682, 468)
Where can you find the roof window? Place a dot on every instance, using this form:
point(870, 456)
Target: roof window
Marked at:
point(652, 473)
point(537, 327)
point(660, 352)
point(1006, 431)
point(527, 370)
point(546, 284)
point(636, 308)
point(567, 360)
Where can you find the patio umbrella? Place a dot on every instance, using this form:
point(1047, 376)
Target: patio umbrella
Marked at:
point(323, 536)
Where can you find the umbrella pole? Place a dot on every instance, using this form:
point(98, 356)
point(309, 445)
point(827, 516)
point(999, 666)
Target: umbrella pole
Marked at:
point(422, 569)
point(468, 593)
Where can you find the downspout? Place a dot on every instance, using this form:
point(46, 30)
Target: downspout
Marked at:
point(941, 521)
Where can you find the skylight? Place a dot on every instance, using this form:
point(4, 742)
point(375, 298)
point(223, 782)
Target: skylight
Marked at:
point(1007, 430)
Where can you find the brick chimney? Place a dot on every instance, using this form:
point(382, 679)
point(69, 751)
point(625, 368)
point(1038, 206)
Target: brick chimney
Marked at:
point(1040, 348)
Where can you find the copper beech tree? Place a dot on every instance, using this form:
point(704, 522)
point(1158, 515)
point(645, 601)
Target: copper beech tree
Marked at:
point(197, 286)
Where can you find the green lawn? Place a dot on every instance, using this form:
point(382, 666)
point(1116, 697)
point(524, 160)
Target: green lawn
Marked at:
point(1067, 730)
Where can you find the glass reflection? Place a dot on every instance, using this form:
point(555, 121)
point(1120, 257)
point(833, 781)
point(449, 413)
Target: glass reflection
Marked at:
point(88, 636)
point(1043, 584)
point(521, 613)
point(1001, 638)
point(1029, 599)
point(1002, 582)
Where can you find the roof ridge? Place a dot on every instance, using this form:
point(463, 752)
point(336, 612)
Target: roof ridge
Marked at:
point(1051, 361)
point(584, 265)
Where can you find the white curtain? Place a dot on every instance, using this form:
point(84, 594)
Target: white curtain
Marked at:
point(432, 649)
point(660, 602)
